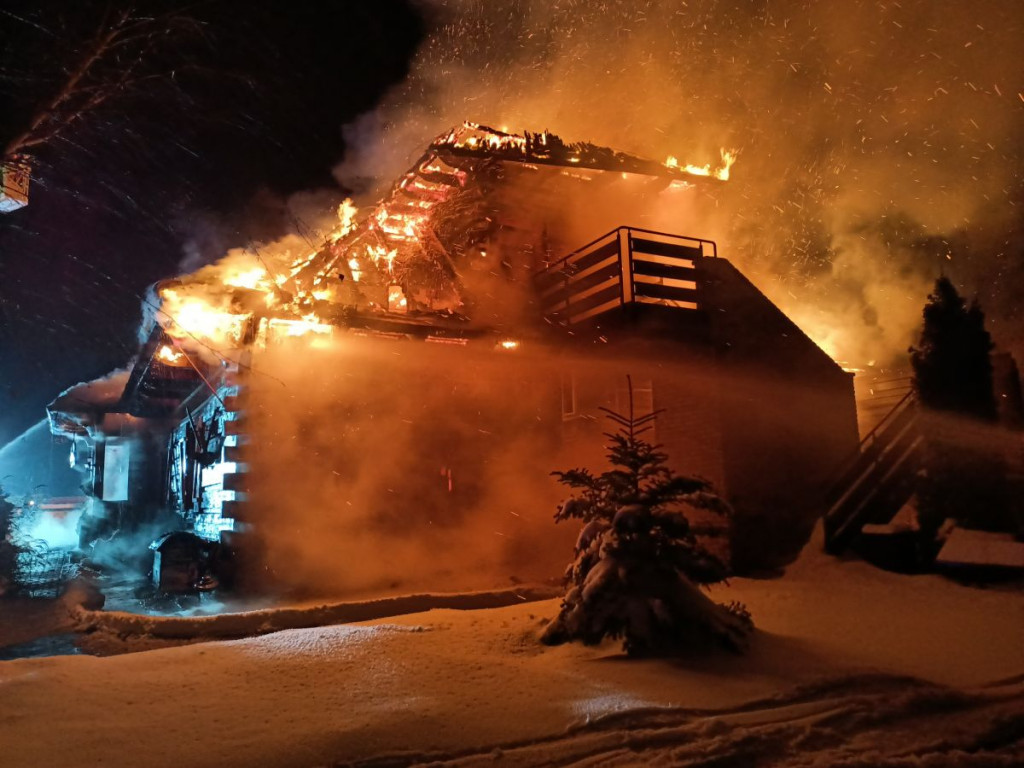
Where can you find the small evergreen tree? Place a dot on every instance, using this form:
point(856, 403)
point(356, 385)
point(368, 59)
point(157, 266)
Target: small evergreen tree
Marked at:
point(953, 376)
point(9, 550)
point(639, 568)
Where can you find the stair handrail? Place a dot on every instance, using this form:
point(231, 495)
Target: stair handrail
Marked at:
point(838, 532)
point(910, 398)
point(905, 402)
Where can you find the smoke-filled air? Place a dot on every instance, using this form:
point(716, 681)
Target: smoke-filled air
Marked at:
point(382, 464)
point(878, 143)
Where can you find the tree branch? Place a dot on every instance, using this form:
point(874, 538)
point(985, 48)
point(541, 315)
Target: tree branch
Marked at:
point(109, 66)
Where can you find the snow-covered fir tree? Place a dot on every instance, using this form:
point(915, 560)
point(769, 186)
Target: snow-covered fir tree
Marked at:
point(639, 568)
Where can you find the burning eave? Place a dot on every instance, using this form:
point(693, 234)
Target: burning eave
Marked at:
point(164, 375)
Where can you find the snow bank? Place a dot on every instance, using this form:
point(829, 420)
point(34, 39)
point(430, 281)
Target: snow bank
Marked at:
point(850, 612)
point(123, 627)
point(850, 666)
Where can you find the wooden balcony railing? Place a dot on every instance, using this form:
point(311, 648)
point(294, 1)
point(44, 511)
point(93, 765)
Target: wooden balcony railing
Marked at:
point(624, 266)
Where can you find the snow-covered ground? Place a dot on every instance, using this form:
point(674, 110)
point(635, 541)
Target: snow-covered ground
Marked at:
point(851, 666)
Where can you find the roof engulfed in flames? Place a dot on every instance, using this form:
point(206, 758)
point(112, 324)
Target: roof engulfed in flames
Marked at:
point(406, 254)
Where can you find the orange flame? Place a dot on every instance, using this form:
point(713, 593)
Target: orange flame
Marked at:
point(171, 356)
point(721, 173)
point(193, 317)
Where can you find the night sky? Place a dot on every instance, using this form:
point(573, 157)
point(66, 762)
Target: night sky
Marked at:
point(253, 113)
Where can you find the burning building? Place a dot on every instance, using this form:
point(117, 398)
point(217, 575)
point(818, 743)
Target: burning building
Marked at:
point(400, 393)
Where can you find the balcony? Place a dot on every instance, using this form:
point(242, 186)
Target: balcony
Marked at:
point(624, 266)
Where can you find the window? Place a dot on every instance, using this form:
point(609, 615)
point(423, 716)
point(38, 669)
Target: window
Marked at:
point(570, 402)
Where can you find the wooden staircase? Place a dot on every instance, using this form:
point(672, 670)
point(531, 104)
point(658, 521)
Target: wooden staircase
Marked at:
point(878, 480)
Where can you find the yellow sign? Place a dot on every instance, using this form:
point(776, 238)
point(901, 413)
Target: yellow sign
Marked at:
point(14, 179)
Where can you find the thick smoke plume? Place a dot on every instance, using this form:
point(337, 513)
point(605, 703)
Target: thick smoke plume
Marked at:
point(381, 464)
point(879, 143)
